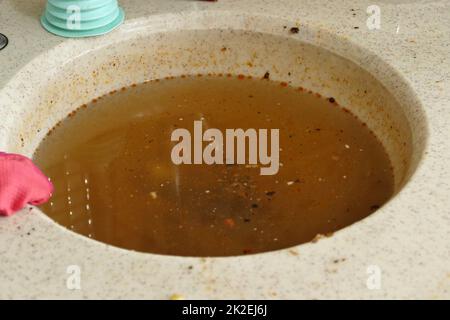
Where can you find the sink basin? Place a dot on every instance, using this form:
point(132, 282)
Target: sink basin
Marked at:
point(59, 80)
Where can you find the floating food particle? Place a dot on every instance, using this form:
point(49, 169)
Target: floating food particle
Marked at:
point(317, 238)
point(230, 222)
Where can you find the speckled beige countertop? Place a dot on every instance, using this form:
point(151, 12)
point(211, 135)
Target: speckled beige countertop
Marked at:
point(407, 241)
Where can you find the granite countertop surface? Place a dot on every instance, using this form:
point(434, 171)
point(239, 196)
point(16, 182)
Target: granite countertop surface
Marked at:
point(408, 240)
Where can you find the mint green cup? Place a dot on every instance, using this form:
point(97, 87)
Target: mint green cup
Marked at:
point(81, 18)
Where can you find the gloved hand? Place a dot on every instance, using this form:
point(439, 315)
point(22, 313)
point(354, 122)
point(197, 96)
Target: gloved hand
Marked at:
point(21, 183)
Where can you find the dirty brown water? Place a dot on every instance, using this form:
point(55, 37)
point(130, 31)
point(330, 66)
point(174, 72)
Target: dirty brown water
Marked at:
point(110, 162)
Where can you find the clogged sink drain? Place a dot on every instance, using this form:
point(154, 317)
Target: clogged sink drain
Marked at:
point(115, 179)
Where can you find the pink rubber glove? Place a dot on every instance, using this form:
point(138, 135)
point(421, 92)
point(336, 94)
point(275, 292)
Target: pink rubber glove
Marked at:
point(21, 183)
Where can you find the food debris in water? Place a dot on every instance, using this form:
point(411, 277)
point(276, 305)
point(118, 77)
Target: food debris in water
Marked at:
point(115, 182)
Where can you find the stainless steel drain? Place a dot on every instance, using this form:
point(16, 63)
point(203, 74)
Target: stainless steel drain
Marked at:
point(3, 41)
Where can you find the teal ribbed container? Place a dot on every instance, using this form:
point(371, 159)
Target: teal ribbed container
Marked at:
point(81, 18)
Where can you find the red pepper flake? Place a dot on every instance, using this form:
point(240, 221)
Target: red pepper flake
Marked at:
point(241, 77)
point(247, 251)
point(283, 84)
